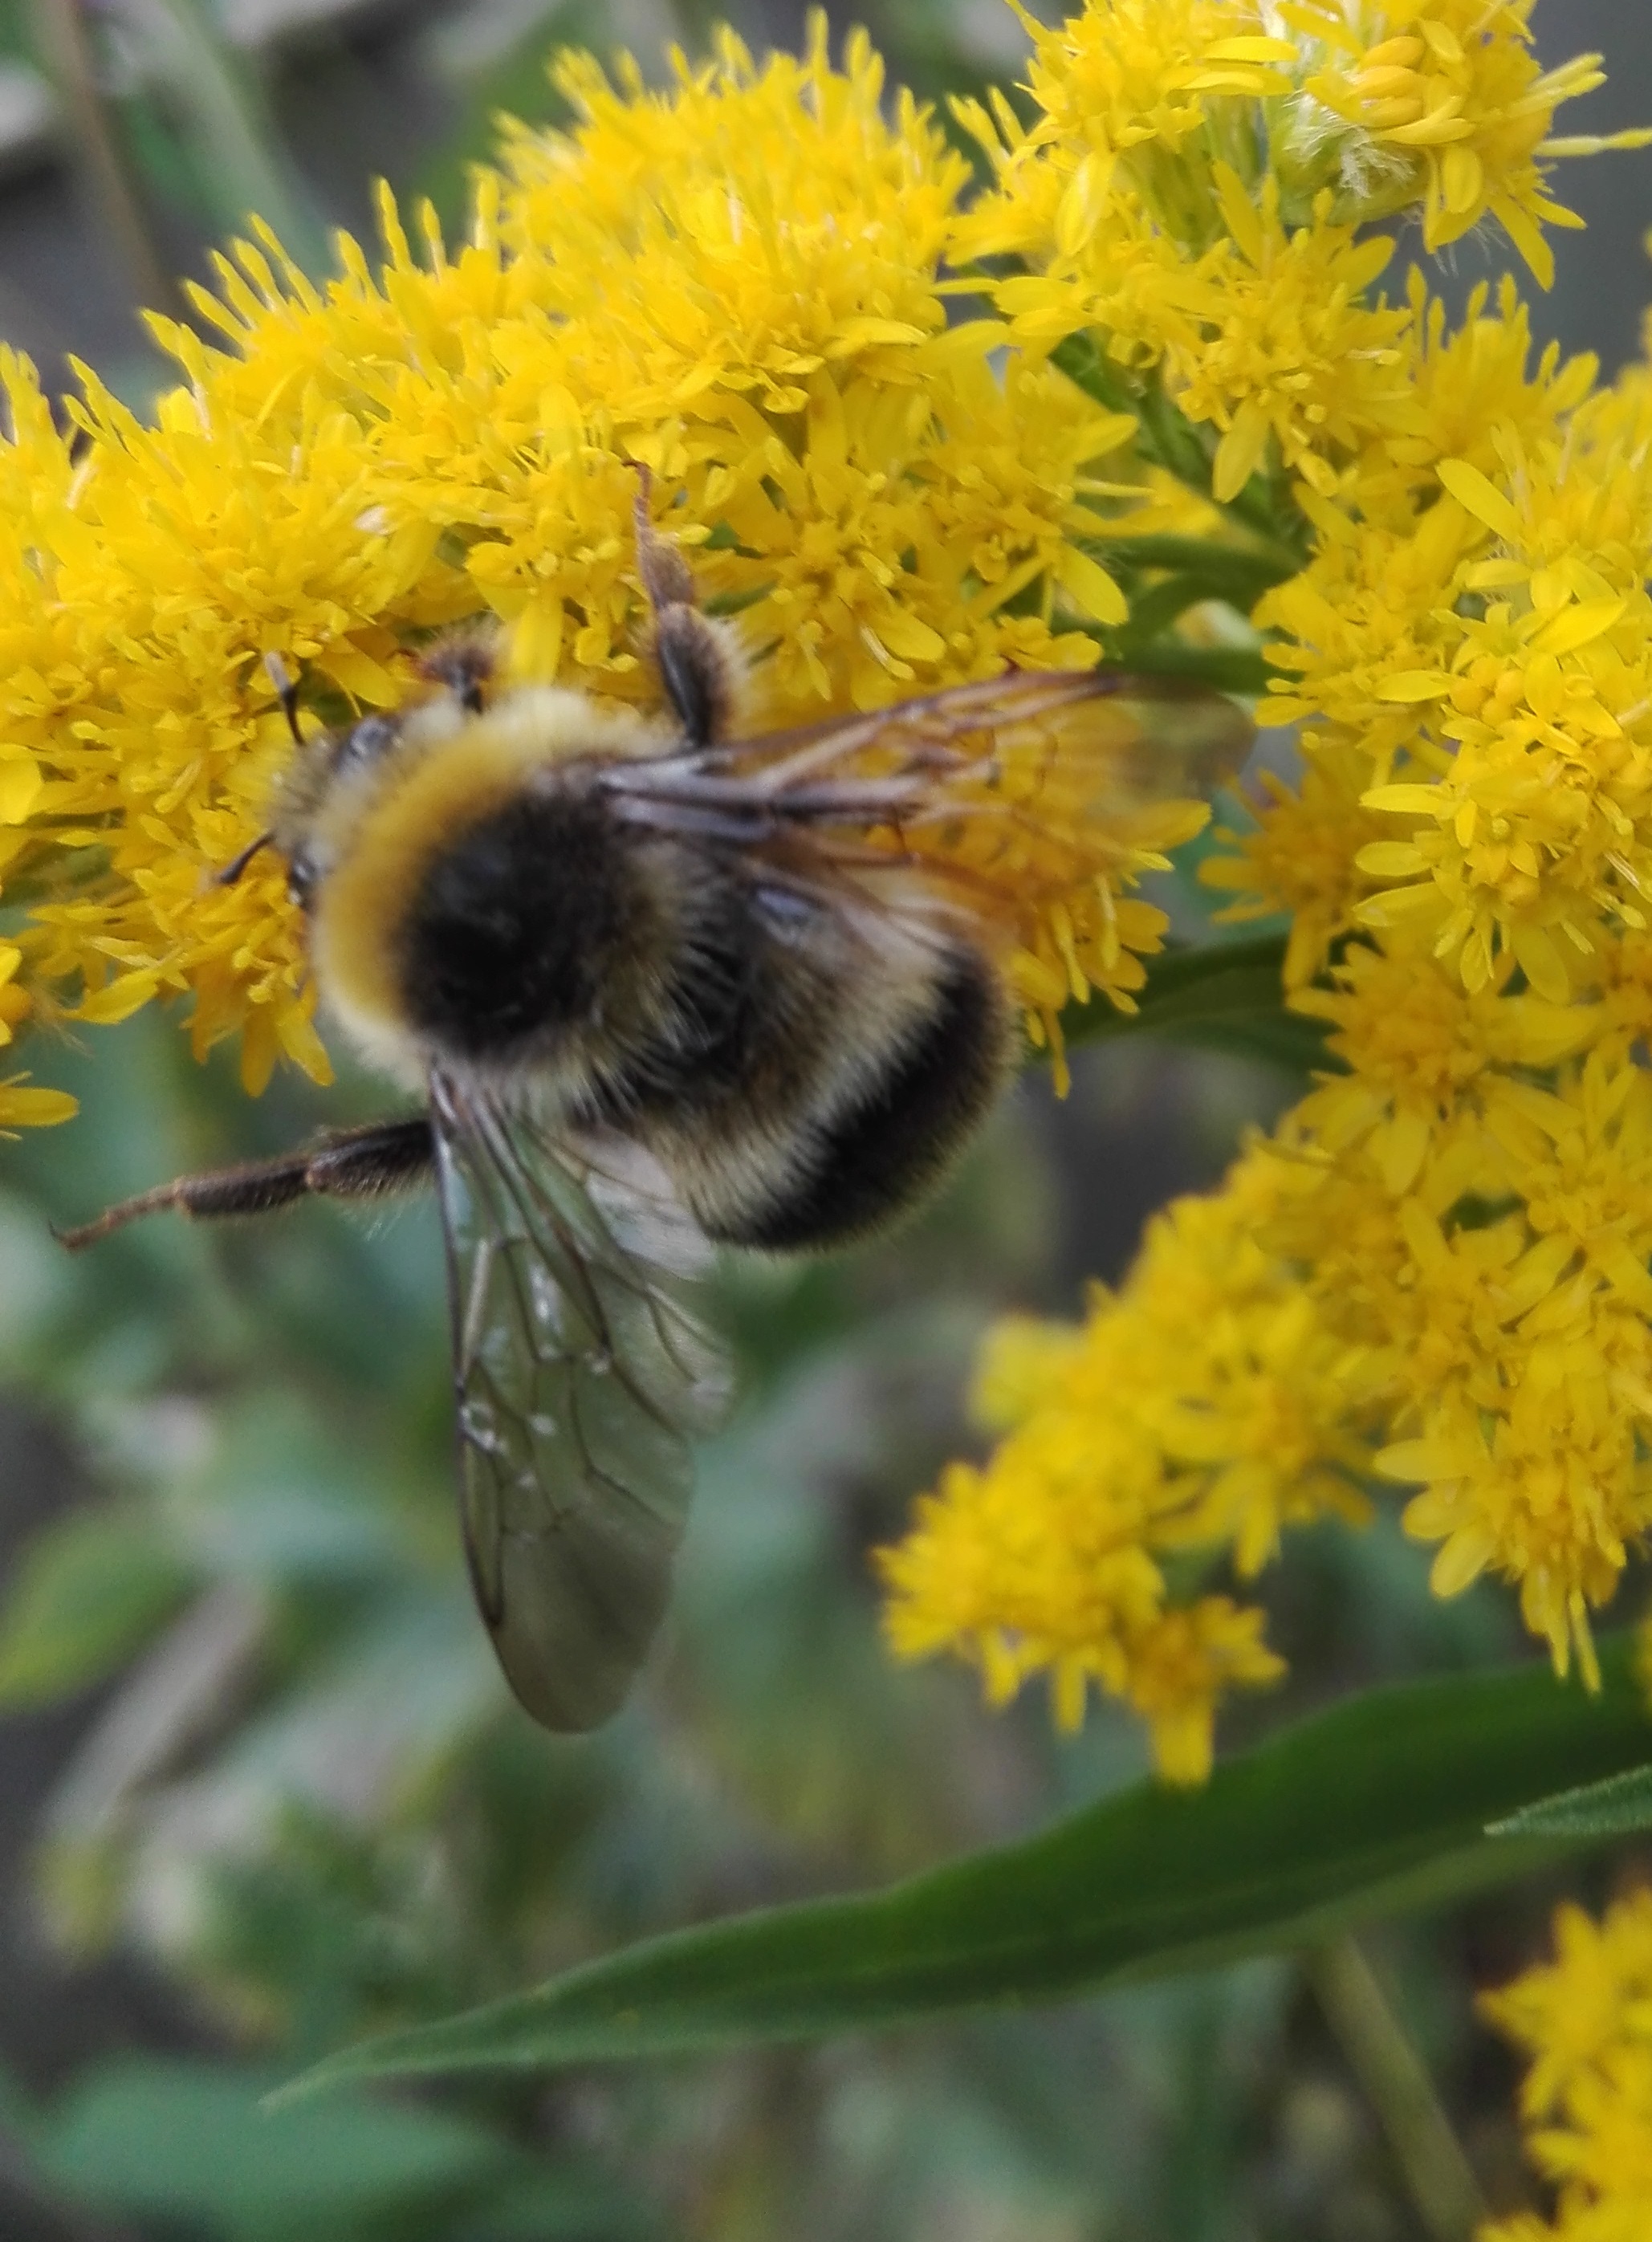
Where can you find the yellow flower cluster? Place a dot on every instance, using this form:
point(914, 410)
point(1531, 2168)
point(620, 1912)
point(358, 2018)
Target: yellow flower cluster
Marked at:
point(1201, 1409)
point(734, 281)
point(1196, 182)
point(1585, 2021)
point(1441, 102)
point(1438, 1268)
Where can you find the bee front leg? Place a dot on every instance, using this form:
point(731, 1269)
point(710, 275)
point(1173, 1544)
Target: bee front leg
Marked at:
point(694, 666)
point(387, 1156)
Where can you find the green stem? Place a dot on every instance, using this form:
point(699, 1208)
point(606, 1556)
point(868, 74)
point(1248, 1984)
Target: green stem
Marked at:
point(1162, 604)
point(1225, 997)
point(1397, 2085)
point(1265, 511)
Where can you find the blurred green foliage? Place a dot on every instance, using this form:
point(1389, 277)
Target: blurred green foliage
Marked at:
point(307, 1796)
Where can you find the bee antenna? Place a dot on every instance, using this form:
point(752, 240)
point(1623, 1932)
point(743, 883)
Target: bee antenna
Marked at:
point(286, 692)
point(232, 871)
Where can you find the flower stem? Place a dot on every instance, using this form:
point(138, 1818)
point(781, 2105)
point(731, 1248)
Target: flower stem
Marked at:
point(1396, 2082)
point(1262, 509)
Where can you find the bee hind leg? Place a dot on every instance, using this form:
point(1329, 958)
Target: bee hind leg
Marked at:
point(369, 1162)
point(689, 647)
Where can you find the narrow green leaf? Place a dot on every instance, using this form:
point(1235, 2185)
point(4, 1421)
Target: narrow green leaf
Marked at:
point(242, 167)
point(1237, 669)
point(89, 1589)
point(1377, 1805)
point(1153, 612)
point(190, 2140)
point(1613, 1809)
point(1246, 570)
point(1226, 996)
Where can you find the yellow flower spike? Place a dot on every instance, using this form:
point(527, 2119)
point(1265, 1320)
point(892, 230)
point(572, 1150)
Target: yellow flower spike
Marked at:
point(1198, 1408)
point(1584, 2024)
point(1440, 103)
point(736, 279)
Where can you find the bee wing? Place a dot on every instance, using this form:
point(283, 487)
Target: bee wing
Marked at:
point(1152, 737)
point(582, 1377)
point(1049, 753)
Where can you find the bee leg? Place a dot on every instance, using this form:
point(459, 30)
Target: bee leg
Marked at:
point(387, 1156)
point(464, 661)
point(694, 661)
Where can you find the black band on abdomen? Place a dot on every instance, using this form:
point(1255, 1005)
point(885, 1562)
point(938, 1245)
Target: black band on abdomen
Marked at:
point(900, 1137)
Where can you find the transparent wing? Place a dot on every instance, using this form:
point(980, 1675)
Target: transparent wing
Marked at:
point(1032, 780)
point(581, 1378)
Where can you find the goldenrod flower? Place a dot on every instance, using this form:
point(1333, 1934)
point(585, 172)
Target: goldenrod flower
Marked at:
point(24, 1108)
point(1440, 102)
point(734, 281)
point(1422, 1054)
point(1204, 1408)
point(752, 227)
point(1585, 2023)
point(14, 1005)
point(1137, 77)
point(1387, 105)
point(1180, 1667)
point(1266, 332)
point(1300, 858)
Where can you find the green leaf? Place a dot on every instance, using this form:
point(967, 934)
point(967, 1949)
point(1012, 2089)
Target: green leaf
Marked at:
point(1242, 571)
point(1237, 669)
point(193, 2141)
point(1377, 1805)
point(1615, 1807)
point(89, 1590)
point(1227, 995)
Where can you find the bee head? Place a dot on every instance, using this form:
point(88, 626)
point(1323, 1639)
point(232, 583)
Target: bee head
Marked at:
point(334, 774)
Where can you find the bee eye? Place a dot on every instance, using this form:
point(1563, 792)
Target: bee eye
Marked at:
point(301, 881)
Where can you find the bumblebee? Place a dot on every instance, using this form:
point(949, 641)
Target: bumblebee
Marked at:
point(660, 987)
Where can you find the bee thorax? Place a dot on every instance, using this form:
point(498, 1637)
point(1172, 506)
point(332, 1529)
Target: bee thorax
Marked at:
point(537, 923)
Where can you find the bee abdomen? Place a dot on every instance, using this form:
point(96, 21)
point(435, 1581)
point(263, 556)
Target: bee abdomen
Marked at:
point(874, 1158)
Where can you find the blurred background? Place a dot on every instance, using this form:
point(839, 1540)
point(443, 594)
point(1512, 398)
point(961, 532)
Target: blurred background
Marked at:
point(260, 1787)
